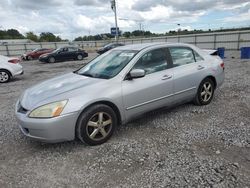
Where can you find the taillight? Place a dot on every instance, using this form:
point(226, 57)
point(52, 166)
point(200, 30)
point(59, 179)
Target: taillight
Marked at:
point(222, 65)
point(14, 61)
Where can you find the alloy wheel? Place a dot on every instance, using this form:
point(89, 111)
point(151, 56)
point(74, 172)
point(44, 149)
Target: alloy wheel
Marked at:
point(99, 126)
point(79, 57)
point(4, 77)
point(206, 92)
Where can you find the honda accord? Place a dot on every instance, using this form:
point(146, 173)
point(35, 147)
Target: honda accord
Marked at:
point(116, 87)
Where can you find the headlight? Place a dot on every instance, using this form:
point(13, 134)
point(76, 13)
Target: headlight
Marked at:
point(49, 110)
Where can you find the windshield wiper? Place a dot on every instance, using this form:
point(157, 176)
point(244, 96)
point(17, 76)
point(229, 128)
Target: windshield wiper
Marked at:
point(87, 74)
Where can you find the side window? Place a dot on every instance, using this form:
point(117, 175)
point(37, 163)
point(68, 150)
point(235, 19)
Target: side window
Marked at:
point(71, 49)
point(65, 49)
point(197, 56)
point(152, 61)
point(181, 56)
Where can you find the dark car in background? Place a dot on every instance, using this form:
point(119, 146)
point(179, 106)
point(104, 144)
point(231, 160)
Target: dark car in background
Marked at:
point(64, 54)
point(108, 47)
point(35, 54)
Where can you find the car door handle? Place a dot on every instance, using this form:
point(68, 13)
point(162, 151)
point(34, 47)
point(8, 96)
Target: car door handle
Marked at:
point(200, 67)
point(166, 77)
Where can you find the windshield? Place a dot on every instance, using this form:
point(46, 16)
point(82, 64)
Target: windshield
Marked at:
point(108, 65)
point(57, 50)
point(106, 45)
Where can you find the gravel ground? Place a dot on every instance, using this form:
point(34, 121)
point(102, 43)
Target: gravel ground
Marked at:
point(185, 146)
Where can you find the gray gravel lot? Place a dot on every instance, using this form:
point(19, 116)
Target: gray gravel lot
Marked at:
point(188, 145)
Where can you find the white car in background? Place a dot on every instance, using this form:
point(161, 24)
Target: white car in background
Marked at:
point(9, 68)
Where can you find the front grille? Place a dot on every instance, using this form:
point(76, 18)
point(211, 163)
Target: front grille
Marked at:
point(21, 109)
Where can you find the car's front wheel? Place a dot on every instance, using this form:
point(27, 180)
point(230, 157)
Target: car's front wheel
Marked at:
point(96, 125)
point(205, 92)
point(52, 60)
point(29, 58)
point(4, 76)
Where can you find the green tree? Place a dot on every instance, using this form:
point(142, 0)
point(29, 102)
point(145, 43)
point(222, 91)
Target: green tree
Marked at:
point(14, 34)
point(127, 34)
point(10, 34)
point(49, 37)
point(32, 36)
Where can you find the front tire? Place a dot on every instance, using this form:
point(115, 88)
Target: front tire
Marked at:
point(205, 92)
point(96, 125)
point(52, 60)
point(29, 58)
point(4, 76)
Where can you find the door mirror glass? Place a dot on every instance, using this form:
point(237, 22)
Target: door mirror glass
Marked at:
point(136, 73)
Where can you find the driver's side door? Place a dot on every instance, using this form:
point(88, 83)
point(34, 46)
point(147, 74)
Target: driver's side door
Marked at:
point(152, 91)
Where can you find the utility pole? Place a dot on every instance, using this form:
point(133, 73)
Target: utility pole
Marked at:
point(113, 7)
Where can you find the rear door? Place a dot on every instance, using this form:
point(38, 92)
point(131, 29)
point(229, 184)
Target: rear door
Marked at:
point(73, 52)
point(188, 70)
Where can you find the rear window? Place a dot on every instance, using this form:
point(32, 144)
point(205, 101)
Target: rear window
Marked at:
point(181, 56)
point(197, 56)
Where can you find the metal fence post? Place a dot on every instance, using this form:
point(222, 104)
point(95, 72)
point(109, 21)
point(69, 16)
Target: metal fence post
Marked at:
point(195, 40)
point(25, 47)
point(7, 50)
point(238, 43)
point(215, 40)
point(41, 45)
point(55, 45)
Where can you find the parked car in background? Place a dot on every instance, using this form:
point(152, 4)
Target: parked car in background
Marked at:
point(116, 87)
point(108, 47)
point(63, 54)
point(9, 68)
point(36, 53)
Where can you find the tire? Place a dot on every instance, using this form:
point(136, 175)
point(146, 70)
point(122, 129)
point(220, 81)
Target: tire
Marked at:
point(205, 92)
point(29, 58)
point(52, 60)
point(5, 76)
point(91, 127)
point(79, 57)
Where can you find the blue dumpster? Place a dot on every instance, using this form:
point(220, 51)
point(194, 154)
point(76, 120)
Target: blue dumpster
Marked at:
point(245, 53)
point(221, 52)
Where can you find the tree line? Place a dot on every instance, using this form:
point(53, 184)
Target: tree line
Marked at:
point(50, 37)
point(43, 37)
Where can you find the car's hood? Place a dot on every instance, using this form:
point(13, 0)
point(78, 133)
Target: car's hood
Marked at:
point(46, 54)
point(41, 93)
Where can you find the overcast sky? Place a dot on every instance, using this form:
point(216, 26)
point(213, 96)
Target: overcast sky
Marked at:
point(71, 18)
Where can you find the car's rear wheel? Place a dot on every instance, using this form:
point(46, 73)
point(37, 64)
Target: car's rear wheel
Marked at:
point(4, 76)
point(79, 57)
point(52, 60)
point(96, 125)
point(205, 92)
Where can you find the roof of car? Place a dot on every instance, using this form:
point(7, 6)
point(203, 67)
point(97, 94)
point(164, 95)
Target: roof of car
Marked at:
point(141, 46)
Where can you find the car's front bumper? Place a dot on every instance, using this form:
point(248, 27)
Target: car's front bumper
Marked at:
point(50, 130)
point(17, 70)
point(43, 59)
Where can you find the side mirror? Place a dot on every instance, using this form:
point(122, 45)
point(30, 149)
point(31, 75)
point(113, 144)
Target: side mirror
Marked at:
point(136, 73)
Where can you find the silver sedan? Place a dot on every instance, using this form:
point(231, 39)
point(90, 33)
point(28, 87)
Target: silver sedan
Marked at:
point(116, 87)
